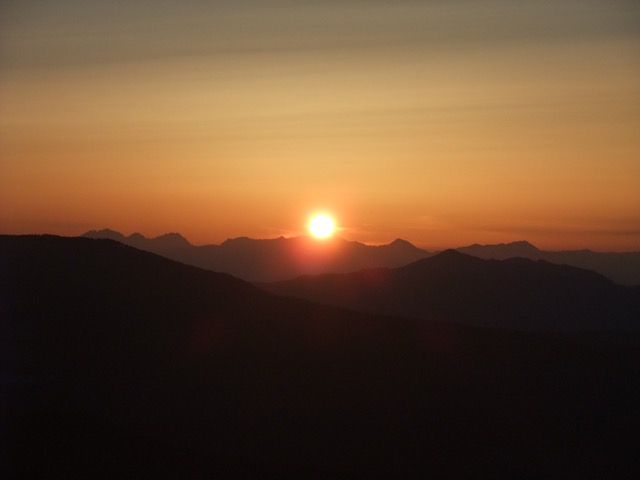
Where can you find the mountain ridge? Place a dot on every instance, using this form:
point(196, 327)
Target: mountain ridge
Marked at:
point(274, 259)
point(516, 293)
point(282, 258)
point(621, 267)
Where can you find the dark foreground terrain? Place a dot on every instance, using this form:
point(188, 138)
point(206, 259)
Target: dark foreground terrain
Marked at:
point(119, 363)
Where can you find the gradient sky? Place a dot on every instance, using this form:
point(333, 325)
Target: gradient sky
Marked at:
point(441, 122)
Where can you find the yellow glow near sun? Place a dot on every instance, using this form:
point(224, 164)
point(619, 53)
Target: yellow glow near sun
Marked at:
point(321, 226)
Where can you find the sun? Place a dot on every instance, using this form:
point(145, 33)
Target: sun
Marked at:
point(321, 226)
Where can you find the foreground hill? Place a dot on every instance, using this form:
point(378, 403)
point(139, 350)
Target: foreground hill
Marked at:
point(273, 259)
point(119, 363)
point(515, 294)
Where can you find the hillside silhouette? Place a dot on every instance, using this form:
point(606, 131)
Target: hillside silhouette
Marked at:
point(516, 293)
point(286, 258)
point(117, 362)
point(621, 267)
point(273, 259)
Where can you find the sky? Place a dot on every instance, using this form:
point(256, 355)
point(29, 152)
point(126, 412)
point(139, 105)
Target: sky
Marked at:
point(444, 123)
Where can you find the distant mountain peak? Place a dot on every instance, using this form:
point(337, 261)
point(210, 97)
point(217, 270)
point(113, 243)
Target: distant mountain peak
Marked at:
point(520, 248)
point(171, 240)
point(448, 257)
point(105, 233)
point(399, 242)
point(172, 236)
point(523, 243)
point(517, 243)
point(451, 253)
point(163, 242)
point(236, 240)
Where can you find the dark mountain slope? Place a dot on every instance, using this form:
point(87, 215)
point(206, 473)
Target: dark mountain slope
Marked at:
point(502, 251)
point(274, 259)
point(621, 267)
point(118, 363)
point(516, 294)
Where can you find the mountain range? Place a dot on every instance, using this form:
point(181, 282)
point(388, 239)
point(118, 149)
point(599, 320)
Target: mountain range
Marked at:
point(274, 259)
point(286, 258)
point(118, 362)
point(516, 293)
point(621, 267)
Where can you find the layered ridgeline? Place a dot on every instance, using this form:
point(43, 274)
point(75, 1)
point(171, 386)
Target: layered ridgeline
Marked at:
point(286, 258)
point(516, 293)
point(621, 267)
point(117, 362)
point(274, 259)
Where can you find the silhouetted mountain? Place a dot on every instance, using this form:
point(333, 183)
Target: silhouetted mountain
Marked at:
point(502, 251)
point(516, 293)
point(274, 259)
point(112, 235)
point(163, 244)
point(286, 258)
point(622, 268)
point(119, 363)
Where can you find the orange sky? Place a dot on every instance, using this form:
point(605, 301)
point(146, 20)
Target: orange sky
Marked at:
point(444, 123)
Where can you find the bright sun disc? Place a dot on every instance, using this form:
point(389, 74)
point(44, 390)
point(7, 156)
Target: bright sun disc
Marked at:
point(321, 226)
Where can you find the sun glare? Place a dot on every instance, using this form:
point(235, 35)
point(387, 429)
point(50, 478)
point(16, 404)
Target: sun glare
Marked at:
point(321, 226)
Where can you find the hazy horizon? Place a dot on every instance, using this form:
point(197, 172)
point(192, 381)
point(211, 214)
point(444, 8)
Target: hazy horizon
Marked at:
point(442, 123)
point(305, 234)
